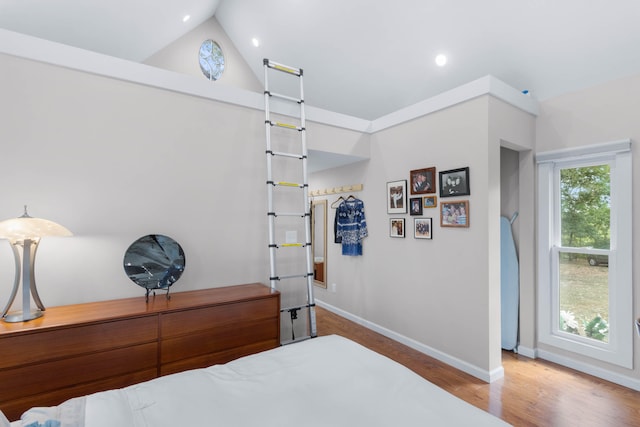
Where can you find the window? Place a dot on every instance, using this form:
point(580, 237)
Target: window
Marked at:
point(584, 252)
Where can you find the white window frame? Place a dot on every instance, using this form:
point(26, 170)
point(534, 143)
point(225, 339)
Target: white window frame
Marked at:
point(619, 348)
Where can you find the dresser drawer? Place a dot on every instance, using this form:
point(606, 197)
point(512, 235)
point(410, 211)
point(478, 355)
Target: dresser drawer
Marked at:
point(225, 356)
point(45, 344)
point(49, 376)
point(217, 339)
point(192, 321)
point(13, 409)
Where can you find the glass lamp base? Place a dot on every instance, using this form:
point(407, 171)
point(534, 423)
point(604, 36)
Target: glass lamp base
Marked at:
point(22, 317)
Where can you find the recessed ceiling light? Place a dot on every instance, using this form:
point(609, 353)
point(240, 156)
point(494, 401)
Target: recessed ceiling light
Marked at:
point(186, 18)
point(441, 60)
point(255, 41)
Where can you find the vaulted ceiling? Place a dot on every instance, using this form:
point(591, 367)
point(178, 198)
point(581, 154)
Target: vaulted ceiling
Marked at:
point(367, 58)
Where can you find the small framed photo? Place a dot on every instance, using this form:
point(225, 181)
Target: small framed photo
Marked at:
point(396, 227)
point(397, 197)
point(423, 181)
point(454, 214)
point(430, 202)
point(422, 228)
point(415, 206)
point(454, 182)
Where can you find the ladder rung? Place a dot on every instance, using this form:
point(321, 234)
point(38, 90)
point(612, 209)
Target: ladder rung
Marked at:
point(301, 214)
point(293, 155)
point(286, 126)
point(285, 97)
point(283, 68)
point(287, 184)
point(292, 276)
point(296, 307)
point(293, 245)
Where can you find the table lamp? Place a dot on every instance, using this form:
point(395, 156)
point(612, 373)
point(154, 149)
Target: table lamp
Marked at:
point(24, 234)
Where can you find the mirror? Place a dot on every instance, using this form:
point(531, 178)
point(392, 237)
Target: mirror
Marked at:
point(154, 262)
point(319, 239)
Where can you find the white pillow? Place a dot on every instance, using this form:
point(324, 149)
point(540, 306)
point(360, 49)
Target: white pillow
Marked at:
point(4, 422)
point(68, 414)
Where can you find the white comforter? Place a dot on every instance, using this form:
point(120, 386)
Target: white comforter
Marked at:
point(327, 381)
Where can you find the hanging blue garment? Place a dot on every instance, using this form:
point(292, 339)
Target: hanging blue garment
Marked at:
point(352, 226)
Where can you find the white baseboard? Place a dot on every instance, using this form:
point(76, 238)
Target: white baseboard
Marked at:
point(531, 353)
point(483, 374)
point(586, 368)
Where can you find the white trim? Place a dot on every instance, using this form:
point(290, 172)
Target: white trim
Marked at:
point(545, 194)
point(483, 374)
point(33, 48)
point(483, 86)
point(508, 94)
point(589, 369)
point(619, 349)
point(584, 152)
point(531, 353)
point(49, 52)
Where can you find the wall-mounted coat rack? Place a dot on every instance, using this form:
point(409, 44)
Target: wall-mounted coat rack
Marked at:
point(336, 190)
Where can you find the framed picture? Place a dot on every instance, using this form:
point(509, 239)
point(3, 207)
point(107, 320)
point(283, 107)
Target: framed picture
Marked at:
point(430, 202)
point(422, 228)
point(397, 197)
point(423, 181)
point(454, 214)
point(454, 182)
point(415, 206)
point(396, 227)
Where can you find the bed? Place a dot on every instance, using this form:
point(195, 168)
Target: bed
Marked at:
point(326, 381)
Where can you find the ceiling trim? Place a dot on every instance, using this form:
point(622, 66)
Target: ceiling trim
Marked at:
point(487, 85)
point(33, 48)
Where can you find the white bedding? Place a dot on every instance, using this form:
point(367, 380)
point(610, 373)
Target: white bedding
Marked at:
point(326, 381)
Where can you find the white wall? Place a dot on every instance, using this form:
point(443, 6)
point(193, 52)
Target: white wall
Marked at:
point(514, 129)
point(435, 292)
point(182, 56)
point(604, 113)
point(114, 161)
point(441, 296)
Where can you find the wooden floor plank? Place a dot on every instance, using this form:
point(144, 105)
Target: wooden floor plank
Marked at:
point(533, 392)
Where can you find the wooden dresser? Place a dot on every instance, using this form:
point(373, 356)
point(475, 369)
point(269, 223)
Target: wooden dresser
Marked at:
point(80, 349)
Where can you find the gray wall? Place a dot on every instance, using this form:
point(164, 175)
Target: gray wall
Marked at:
point(113, 161)
point(442, 295)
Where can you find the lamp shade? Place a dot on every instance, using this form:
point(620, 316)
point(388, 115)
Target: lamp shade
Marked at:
point(26, 227)
point(24, 234)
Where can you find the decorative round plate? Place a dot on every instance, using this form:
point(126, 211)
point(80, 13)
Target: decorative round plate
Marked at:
point(154, 262)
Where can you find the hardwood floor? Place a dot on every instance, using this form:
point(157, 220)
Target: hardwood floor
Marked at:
point(533, 392)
